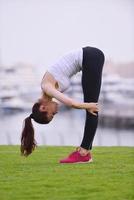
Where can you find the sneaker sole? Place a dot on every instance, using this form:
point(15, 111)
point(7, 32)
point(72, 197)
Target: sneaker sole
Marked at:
point(86, 161)
point(90, 161)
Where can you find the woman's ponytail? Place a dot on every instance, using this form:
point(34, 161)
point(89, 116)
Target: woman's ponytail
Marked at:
point(28, 142)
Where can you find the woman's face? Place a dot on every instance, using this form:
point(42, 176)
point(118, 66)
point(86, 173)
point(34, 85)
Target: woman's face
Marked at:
point(50, 107)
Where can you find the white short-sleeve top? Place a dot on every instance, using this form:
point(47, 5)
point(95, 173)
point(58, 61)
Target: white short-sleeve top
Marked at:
point(65, 67)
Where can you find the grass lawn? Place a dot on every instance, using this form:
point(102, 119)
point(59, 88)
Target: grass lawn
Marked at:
point(40, 176)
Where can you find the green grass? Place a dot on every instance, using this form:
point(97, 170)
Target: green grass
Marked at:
point(40, 176)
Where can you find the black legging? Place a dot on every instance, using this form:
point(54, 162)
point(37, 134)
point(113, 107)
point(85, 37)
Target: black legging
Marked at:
point(93, 60)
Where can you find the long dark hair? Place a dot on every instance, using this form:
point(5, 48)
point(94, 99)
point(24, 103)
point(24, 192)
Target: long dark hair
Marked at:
point(28, 143)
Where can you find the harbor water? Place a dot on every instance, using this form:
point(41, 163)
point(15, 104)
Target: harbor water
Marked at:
point(65, 129)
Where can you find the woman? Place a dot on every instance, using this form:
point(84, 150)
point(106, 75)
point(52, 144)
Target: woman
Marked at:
point(56, 80)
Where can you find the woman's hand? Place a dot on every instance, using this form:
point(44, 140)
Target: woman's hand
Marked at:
point(90, 107)
point(93, 108)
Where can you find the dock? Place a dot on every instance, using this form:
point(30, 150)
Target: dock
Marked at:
point(117, 116)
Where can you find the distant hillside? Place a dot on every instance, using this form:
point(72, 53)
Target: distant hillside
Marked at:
point(125, 70)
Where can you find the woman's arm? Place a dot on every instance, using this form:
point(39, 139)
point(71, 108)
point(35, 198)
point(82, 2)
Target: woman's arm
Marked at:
point(50, 90)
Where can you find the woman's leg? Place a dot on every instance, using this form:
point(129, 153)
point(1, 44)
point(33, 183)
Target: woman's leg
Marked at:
point(93, 60)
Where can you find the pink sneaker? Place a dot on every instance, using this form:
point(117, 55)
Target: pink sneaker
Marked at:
point(76, 157)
